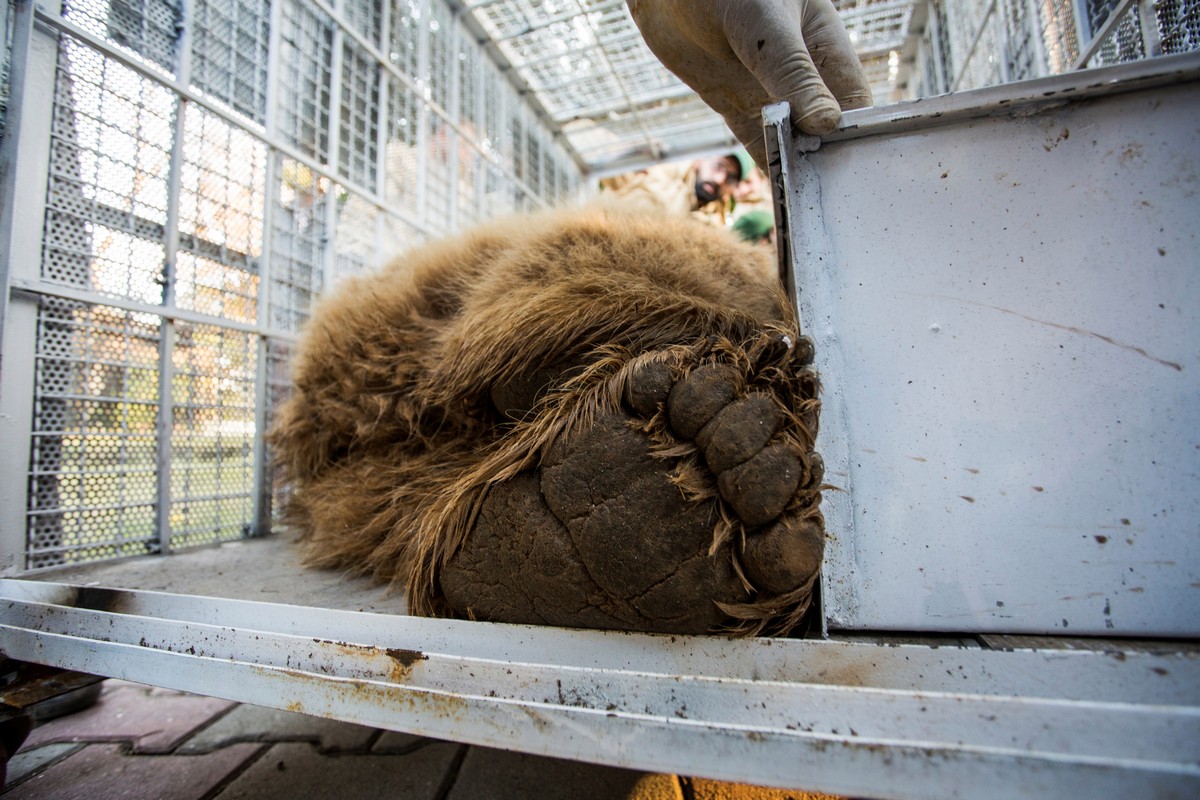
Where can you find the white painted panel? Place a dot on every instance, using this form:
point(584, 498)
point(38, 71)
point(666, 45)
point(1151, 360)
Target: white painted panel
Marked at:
point(1007, 319)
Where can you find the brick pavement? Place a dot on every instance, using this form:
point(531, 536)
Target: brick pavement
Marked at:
point(138, 743)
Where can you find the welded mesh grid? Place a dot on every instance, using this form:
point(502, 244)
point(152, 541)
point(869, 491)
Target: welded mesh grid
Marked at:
point(1124, 42)
point(875, 25)
point(678, 125)
point(93, 465)
point(278, 379)
point(306, 76)
point(441, 175)
point(437, 76)
point(359, 149)
point(298, 234)
point(407, 20)
point(358, 123)
point(366, 17)
point(212, 470)
point(221, 199)
point(106, 200)
point(1178, 25)
point(590, 69)
point(1060, 34)
point(148, 28)
point(401, 158)
point(230, 41)
point(1020, 53)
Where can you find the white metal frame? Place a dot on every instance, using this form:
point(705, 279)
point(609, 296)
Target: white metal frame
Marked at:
point(878, 720)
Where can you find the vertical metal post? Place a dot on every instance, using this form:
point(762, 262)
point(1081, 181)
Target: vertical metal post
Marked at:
point(800, 238)
point(970, 54)
point(424, 116)
point(454, 111)
point(1037, 37)
point(383, 117)
point(261, 525)
point(1004, 41)
point(332, 155)
point(1151, 39)
point(166, 352)
point(25, 161)
point(482, 163)
point(1083, 29)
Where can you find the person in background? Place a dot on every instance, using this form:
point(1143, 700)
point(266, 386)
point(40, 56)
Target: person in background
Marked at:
point(704, 188)
point(740, 55)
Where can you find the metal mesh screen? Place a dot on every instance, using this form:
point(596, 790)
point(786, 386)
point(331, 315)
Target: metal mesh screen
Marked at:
point(298, 235)
point(220, 218)
point(358, 123)
point(229, 53)
point(1059, 33)
point(306, 63)
point(1123, 43)
point(184, 239)
point(1021, 49)
point(1178, 25)
point(106, 199)
point(148, 28)
point(212, 472)
point(973, 43)
point(94, 463)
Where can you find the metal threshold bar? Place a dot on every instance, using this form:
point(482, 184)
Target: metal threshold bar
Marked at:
point(860, 719)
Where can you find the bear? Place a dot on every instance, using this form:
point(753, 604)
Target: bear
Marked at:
point(591, 417)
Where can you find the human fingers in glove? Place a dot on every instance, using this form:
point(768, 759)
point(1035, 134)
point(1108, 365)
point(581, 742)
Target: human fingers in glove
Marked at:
point(740, 55)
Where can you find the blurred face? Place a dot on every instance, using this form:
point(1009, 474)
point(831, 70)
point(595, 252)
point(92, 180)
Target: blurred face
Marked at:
point(716, 178)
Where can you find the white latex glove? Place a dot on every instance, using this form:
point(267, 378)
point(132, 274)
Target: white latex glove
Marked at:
point(740, 55)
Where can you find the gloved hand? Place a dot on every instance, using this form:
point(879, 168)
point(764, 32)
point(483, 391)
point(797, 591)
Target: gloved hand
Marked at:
point(740, 55)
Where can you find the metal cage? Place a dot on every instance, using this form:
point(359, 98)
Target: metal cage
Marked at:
point(198, 172)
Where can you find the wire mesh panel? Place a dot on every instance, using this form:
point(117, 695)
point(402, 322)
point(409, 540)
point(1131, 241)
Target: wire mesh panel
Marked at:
point(1060, 34)
point(298, 236)
point(220, 218)
point(1124, 42)
point(212, 434)
point(306, 79)
point(92, 480)
point(185, 237)
point(358, 122)
point(1178, 25)
point(230, 40)
point(149, 28)
point(1020, 53)
point(106, 200)
point(366, 17)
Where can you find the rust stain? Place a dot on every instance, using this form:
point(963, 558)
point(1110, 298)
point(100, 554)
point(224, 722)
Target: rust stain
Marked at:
point(403, 661)
point(1072, 329)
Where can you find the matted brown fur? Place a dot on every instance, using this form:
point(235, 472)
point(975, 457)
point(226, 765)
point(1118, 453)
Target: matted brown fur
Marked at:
point(391, 437)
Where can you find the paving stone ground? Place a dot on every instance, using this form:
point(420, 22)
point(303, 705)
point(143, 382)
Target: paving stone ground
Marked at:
point(138, 743)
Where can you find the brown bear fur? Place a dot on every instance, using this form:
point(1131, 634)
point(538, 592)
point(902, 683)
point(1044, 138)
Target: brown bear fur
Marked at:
point(457, 367)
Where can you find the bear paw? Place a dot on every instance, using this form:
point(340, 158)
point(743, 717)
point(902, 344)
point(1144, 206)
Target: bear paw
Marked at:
point(689, 508)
